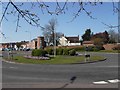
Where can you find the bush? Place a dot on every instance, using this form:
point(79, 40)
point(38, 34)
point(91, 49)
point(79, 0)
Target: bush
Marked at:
point(49, 51)
point(79, 48)
point(95, 49)
point(59, 51)
point(100, 47)
point(72, 52)
point(65, 51)
point(38, 52)
point(33, 52)
point(90, 48)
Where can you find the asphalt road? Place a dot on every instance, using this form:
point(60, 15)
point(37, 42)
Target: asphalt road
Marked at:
point(90, 75)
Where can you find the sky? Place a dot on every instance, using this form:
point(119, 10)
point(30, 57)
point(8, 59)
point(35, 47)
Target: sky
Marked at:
point(102, 13)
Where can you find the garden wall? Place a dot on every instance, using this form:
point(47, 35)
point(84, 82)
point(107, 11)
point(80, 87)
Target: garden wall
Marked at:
point(109, 46)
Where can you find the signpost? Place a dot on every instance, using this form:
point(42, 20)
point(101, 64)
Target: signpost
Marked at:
point(87, 56)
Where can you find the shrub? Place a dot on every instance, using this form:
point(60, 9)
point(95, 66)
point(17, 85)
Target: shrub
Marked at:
point(59, 51)
point(100, 47)
point(72, 52)
point(90, 48)
point(38, 52)
point(49, 51)
point(65, 51)
point(79, 48)
point(33, 52)
point(95, 49)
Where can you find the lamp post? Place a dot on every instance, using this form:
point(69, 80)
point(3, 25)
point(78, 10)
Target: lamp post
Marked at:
point(54, 44)
point(29, 33)
point(30, 37)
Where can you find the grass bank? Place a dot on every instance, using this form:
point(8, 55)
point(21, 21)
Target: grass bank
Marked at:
point(57, 60)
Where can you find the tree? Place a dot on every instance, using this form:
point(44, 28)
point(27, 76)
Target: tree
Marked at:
point(113, 36)
point(49, 32)
point(104, 36)
point(87, 35)
point(98, 41)
point(60, 8)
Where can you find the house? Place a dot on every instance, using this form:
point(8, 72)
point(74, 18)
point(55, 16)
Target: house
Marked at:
point(69, 41)
point(37, 43)
point(88, 43)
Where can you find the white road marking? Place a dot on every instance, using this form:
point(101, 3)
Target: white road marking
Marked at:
point(13, 67)
point(114, 81)
point(107, 82)
point(100, 82)
point(9, 61)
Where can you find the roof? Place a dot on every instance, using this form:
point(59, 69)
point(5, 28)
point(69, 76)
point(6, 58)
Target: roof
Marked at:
point(88, 42)
point(73, 39)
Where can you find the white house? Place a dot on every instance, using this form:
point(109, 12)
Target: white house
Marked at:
point(69, 41)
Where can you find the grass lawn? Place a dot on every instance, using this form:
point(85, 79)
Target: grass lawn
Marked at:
point(110, 51)
point(57, 60)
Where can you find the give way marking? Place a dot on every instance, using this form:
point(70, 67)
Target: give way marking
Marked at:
point(106, 82)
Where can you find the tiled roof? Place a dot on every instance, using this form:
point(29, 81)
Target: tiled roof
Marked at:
point(88, 42)
point(73, 39)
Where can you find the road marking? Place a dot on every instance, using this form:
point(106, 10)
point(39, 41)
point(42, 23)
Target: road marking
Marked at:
point(8, 61)
point(13, 67)
point(107, 81)
point(114, 81)
point(100, 82)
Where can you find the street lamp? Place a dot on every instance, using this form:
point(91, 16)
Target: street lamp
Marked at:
point(54, 43)
point(30, 37)
point(29, 33)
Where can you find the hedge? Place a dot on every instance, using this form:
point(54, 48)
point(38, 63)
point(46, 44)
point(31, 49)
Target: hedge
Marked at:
point(65, 51)
point(50, 51)
point(59, 51)
point(38, 52)
point(72, 52)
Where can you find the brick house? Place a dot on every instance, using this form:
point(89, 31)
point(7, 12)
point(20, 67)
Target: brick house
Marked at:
point(37, 43)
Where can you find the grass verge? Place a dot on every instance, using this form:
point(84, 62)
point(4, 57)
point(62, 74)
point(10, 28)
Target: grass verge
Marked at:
point(110, 51)
point(57, 60)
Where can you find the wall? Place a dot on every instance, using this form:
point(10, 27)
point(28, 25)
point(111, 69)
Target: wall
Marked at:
point(109, 46)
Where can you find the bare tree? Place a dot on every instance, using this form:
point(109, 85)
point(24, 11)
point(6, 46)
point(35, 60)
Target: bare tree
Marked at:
point(113, 36)
point(49, 31)
point(60, 8)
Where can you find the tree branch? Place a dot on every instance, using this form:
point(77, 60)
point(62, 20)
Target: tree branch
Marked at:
point(4, 13)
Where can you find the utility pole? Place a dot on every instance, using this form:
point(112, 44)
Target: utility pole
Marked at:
point(30, 38)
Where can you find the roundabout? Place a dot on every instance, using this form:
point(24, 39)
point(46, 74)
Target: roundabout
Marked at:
point(17, 75)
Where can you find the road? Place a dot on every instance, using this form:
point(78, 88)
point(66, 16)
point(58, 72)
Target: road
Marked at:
point(102, 74)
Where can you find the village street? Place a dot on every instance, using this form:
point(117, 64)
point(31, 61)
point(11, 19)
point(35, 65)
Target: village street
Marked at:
point(102, 74)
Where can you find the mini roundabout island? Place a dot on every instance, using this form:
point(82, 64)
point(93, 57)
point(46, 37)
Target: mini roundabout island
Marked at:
point(59, 56)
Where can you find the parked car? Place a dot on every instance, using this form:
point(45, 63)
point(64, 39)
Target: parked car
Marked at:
point(26, 49)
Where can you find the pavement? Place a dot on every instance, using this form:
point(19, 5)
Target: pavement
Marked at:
point(102, 74)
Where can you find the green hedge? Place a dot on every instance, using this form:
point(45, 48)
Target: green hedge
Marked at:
point(72, 52)
point(95, 48)
point(59, 51)
point(66, 51)
point(50, 51)
point(79, 48)
point(38, 52)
